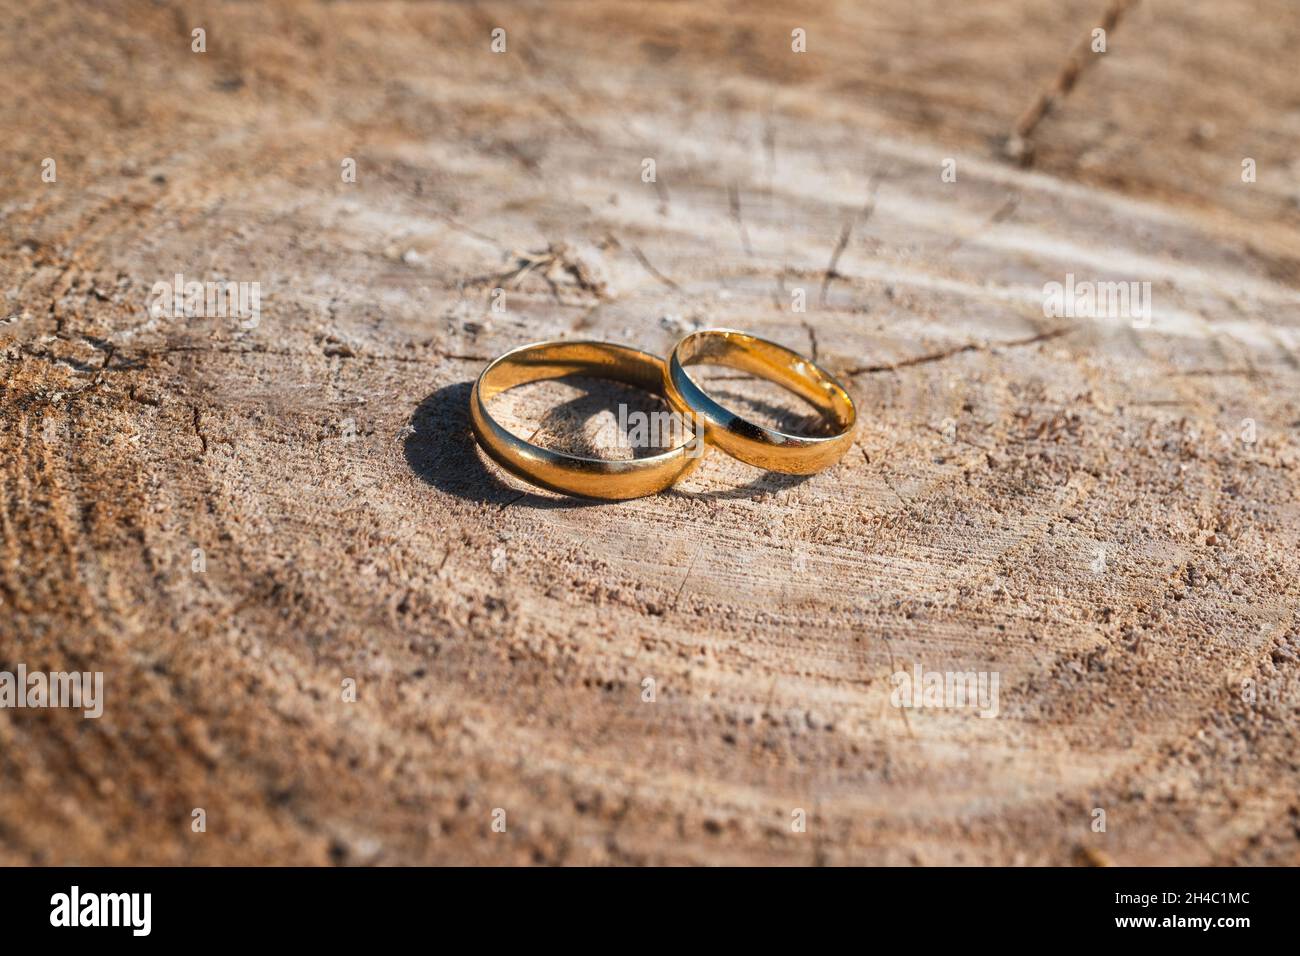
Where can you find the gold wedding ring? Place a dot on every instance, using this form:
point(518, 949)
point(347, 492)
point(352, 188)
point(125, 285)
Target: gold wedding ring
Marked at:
point(571, 474)
point(750, 442)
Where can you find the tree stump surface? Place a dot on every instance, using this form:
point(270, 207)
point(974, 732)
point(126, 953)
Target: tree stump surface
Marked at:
point(230, 523)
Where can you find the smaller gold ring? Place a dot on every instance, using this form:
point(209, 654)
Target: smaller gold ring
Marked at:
point(743, 439)
point(573, 474)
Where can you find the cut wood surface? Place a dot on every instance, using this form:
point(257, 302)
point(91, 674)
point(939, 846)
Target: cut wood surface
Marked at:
point(232, 523)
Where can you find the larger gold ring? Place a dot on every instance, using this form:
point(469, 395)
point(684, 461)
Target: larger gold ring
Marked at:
point(743, 439)
point(572, 474)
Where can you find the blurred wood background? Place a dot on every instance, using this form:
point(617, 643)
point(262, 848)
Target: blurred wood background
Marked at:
point(1067, 502)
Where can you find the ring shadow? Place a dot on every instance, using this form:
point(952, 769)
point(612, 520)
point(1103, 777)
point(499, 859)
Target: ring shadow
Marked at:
point(441, 450)
point(811, 423)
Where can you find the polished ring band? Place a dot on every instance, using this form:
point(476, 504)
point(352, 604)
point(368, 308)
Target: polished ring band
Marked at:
point(752, 443)
point(571, 474)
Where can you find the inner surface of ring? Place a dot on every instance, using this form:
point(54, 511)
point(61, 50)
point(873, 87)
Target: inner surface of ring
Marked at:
point(579, 359)
point(573, 358)
point(774, 363)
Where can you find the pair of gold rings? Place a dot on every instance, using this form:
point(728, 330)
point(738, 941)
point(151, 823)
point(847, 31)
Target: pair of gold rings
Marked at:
point(738, 437)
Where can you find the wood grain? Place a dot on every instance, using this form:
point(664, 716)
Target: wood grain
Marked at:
point(499, 637)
